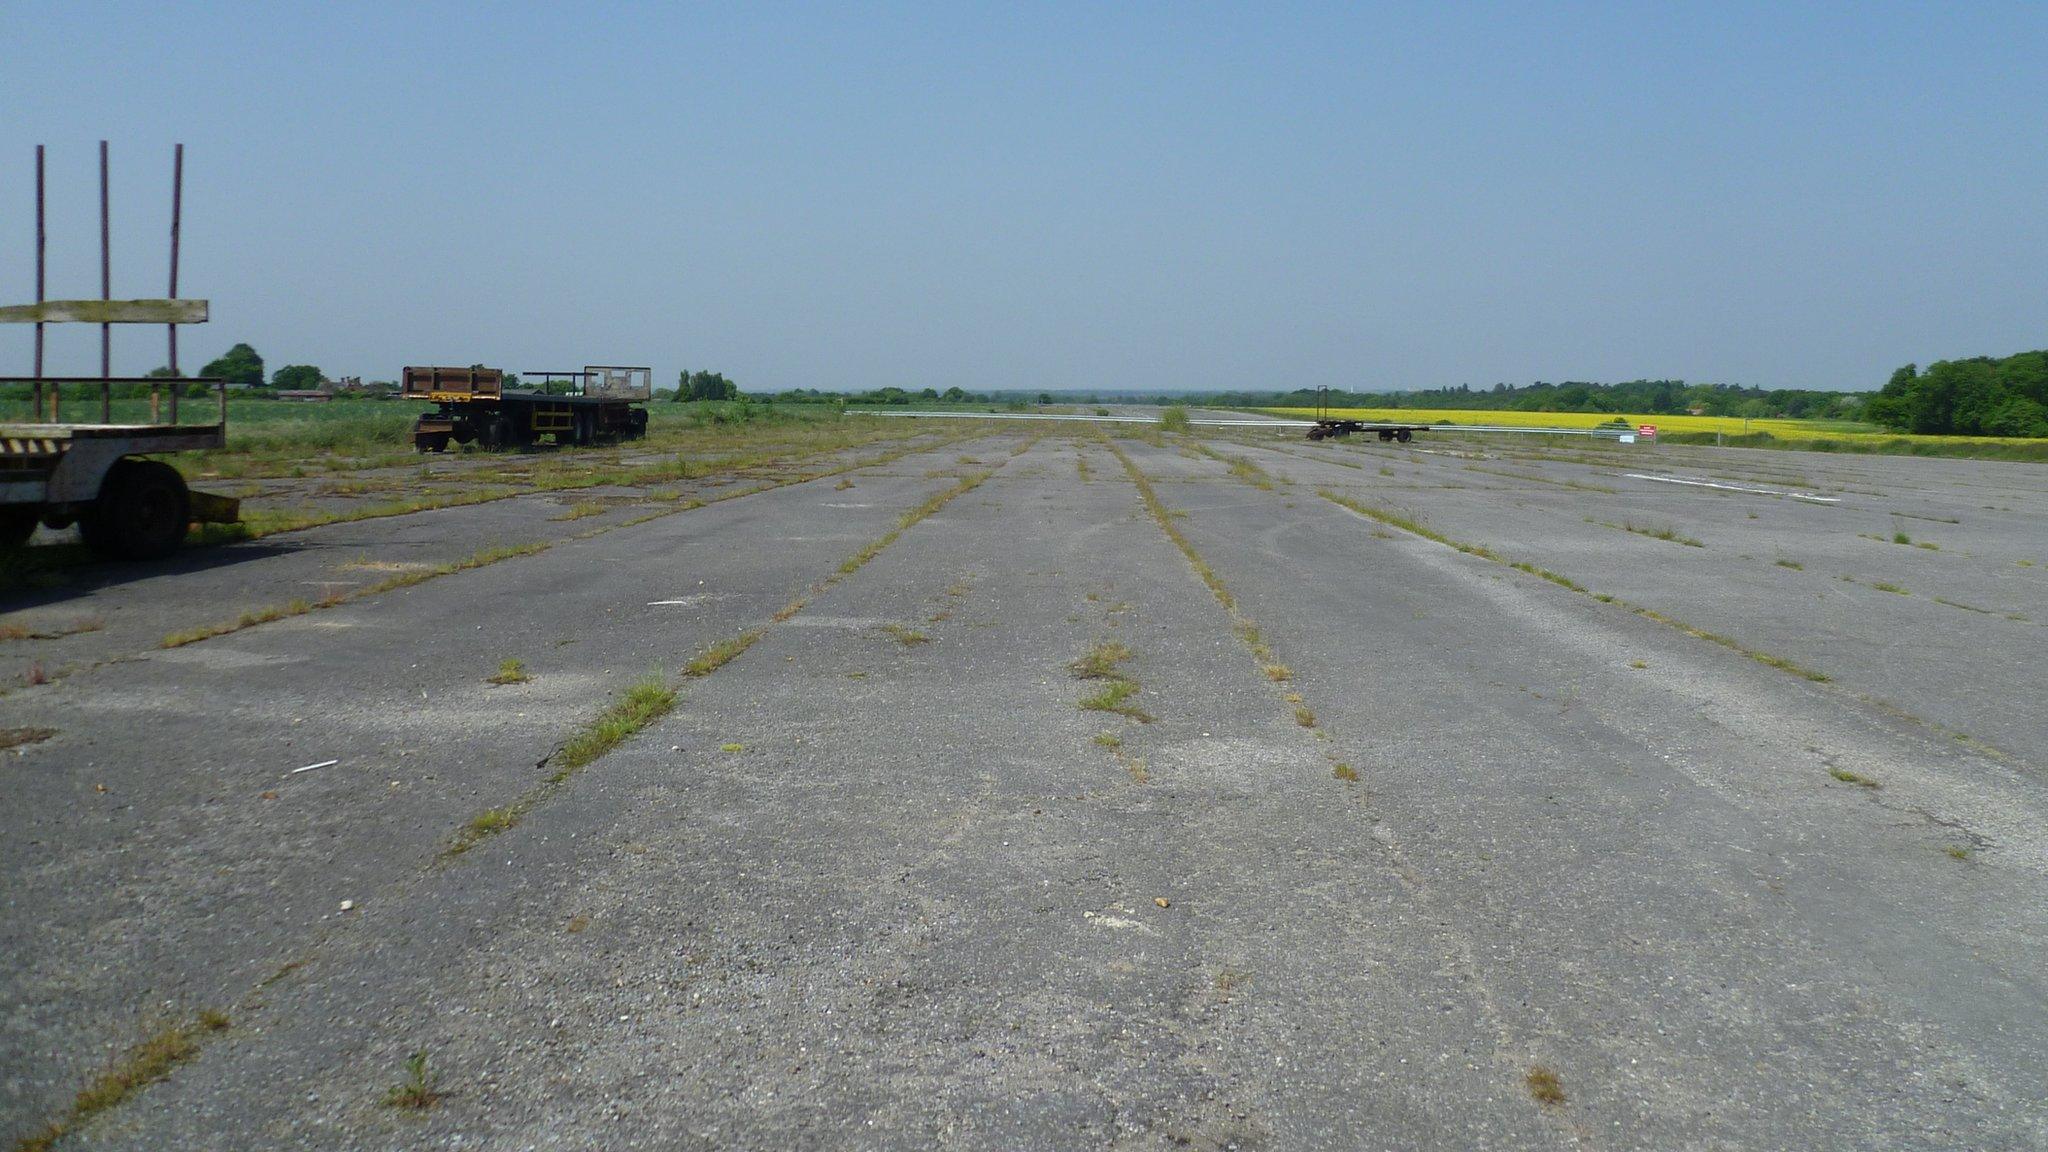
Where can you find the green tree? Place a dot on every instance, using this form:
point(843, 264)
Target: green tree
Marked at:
point(298, 377)
point(238, 365)
point(165, 373)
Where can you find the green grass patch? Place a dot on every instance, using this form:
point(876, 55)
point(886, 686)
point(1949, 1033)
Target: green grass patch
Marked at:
point(416, 1090)
point(722, 653)
point(1100, 661)
point(1115, 697)
point(510, 671)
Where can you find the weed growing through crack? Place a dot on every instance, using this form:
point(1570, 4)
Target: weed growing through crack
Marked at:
point(1894, 589)
point(1346, 773)
point(510, 671)
point(1100, 662)
point(1545, 1086)
point(580, 509)
point(1278, 673)
point(138, 1067)
point(1795, 565)
point(1304, 717)
point(18, 737)
point(1109, 740)
point(1848, 777)
point(642, 704)
point(720, 654)
point(1115, 697)
point(416, 1091)
point(908, 637)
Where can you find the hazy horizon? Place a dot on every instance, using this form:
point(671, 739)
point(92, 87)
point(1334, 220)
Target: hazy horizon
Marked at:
point(1059, 198)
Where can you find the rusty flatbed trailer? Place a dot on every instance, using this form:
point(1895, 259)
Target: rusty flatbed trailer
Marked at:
point(599, 404)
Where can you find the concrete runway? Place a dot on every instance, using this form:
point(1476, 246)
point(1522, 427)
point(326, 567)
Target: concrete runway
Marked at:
point(1740, 840)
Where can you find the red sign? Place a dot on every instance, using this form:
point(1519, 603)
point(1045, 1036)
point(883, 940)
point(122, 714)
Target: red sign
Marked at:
point(1647, 431)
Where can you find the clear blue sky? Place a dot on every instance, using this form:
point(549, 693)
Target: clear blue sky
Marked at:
point(1080, 196)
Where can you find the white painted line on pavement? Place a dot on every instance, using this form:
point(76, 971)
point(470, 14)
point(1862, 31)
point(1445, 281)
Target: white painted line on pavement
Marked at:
point(1697, 483)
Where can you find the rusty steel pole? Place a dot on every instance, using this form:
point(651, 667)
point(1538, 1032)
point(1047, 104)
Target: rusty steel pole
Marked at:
point(42, 241)
point(177, 215)
point(106, 293)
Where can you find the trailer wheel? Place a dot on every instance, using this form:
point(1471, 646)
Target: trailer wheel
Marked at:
point(142, 511)
point(639, 428)
point(1403, 435)
point(17, 524)
point(497, 431)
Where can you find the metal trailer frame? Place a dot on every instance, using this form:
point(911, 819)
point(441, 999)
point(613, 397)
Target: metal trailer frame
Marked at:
point(472, 405)
point(58, 473)
point(1327, 427)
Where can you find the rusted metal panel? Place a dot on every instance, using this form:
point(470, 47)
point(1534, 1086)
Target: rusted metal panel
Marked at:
point(452, 384)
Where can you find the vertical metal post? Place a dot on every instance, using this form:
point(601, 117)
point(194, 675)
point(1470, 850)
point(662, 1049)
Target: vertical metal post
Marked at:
point(177, 215)
point(106, 293)
point(42, 240)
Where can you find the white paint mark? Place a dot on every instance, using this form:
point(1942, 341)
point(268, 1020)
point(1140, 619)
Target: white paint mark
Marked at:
point(1120, 922)
point(310, 767)
point(1694, 482)
point(686, 601)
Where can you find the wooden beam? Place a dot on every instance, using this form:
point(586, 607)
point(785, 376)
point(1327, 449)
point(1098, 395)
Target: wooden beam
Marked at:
point(106, 312)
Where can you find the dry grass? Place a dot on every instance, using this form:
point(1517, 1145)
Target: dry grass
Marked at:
point(1100, 662)
point(1346, 773)
point(18, 737)
point(908, 637)
point(1545, 1086)
point(580, 509)
point(138, 1067)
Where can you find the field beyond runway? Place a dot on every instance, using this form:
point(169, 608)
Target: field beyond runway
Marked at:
point(1055, 790)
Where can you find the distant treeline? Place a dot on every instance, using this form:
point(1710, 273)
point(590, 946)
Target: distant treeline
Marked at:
point(1981, 396)
point(1635, 397)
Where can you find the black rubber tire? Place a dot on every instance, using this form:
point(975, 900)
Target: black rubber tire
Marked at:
point(142, 512)
point(1403, 435)
point(17, 524)
point(496, 432)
